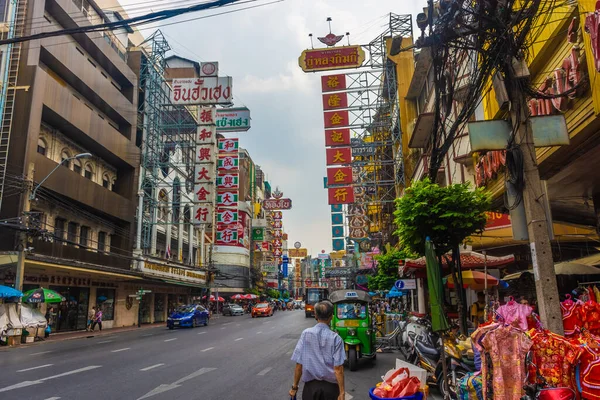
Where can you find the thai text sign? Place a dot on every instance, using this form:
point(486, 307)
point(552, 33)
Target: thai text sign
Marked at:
point(337, 137)
point(497, 221)
point(233, 119)
point(331, 58)
point(177, 273)
point(338, 156)
point(341, 195)
point(339, 175)
point(333, 83)
point(210, 90)
point(277, 204)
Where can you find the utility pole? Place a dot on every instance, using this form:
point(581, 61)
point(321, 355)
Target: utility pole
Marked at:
point(537, 223)
point(23, 235)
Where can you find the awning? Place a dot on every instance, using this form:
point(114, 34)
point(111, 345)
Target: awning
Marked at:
point(468, 260)
point(88, 270)
point(187, 284)
point(564, 268)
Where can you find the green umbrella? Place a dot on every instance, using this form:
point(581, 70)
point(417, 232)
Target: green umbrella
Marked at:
point(42, 295)
point(434, 282)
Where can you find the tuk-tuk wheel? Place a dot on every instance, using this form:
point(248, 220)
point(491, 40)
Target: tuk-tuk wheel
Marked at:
point(352, 359)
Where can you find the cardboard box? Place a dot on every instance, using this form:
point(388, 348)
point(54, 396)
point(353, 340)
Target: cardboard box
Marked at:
point(414, 371)
point(14, 332)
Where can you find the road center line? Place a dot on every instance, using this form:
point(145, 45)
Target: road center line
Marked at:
point(151, 367)
point(41, 352)
point(265, 371)
point(170, 340)
point(210, 348)
point(106, 341)
point(37, 382)
point(259, 332)
point(202, 333)
point(53, 398)
point(38, 367)
point(238, 339)
point(119, 350)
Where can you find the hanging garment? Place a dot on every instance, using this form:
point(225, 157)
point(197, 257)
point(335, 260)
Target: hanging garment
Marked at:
point(555, 358)
point(589, 368)
point(591, 316)
point(571, 312)
point(515, 314)
point(469, 387)
point(597, 294)
point(485, 362)
point(507, 348)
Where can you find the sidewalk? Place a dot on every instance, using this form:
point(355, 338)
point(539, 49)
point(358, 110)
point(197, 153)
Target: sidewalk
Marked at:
point(57, 337)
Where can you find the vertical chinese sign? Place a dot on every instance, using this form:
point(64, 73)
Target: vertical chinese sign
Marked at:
point(230, 224)
point(205, 167)
point(338, 152)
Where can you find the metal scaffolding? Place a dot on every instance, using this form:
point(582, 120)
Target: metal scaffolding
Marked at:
point(375, 118)
point(165, 128)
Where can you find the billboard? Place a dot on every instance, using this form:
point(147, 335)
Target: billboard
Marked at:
point(338, 156)
point(333, 83)
point(208, 90)
point(277, 204)
point(233, 119)
point(328, 59)
point(339, 176)
point(341, 195)
point(337, 137)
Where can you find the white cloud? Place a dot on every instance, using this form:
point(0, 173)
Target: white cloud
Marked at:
point(293, 79)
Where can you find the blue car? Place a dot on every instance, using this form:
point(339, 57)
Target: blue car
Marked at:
point(188, 316)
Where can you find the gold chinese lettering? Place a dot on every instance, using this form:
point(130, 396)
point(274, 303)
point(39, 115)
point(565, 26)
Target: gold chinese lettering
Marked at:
point(336, 119)
point(337, 137)
point(339, 176)
point(333, 82)
point(338, 157)
point(340, 194)
point(334, 100)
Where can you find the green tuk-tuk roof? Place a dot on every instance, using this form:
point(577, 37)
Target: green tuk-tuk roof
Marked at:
point(349, 295)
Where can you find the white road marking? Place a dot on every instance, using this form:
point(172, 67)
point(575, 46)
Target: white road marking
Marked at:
point(148, 334)
point(38, 367)
point(238, 339)
point(119, 350)
point(202, 333)
point(289, 353)
point(267, 322)
point(151, 367)
point(210, 348)
point(264, 371)
point(348, 396)
point(37, 382)
point(41, 352)
point(53, 398)
point(170, 340)
point(259, 332)
point(228, 323)
point(223, 328)
point(176, 384)
point(106, 341)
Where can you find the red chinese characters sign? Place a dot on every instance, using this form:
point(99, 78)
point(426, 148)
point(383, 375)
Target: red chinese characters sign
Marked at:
point(341, 195)
point(333, 83)
point(336, 119)
point(339, 176)
point(337, 137)
point(277, 204)
point(335, 101)
point(331, 58)
point(338, 155)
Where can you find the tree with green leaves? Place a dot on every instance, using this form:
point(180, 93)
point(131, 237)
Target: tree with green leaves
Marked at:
point(447, 215)
point(387, 268)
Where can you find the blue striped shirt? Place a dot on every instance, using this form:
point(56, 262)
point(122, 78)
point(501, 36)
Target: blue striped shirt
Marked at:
point(318, 351)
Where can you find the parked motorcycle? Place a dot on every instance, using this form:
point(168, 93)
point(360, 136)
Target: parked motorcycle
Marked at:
point(426, 353)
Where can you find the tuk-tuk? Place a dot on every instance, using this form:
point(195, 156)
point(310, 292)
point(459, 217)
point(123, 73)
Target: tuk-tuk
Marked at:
point(352, 321)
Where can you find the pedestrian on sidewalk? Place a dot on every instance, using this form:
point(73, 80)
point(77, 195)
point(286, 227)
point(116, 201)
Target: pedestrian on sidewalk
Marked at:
point(97, 319)
point(319, 357)
point(90, 319)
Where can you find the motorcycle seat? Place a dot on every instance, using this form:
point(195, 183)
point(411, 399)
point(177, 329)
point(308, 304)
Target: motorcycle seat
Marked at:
point(427, 350)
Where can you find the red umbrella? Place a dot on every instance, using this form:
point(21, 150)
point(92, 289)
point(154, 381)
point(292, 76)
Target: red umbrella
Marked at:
point(238, 297)
point(212, 298)
point(250, 296)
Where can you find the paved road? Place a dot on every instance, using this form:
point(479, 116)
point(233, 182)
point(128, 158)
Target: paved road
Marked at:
point(234, 358)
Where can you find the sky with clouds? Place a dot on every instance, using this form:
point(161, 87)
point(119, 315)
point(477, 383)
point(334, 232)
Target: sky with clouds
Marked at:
point(259, 48)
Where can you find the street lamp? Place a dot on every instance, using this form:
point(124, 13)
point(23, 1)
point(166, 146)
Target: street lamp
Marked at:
point(26, 207)
point(75, 157)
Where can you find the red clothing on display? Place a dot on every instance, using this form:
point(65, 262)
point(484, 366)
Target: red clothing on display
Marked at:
point(591, 316)
point(555, 358)
point(571, 313)
point(589, 369)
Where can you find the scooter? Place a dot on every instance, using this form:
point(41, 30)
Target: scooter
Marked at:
point(414, 325)
point(426, 353)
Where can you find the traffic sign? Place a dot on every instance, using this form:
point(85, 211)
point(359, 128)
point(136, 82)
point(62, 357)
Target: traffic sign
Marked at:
point(405, 284)
point(308, 282)
point(297, 245)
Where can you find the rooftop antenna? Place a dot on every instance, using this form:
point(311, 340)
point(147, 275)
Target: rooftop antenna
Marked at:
point(348, 37)
point(311, 41)
point(329, 20)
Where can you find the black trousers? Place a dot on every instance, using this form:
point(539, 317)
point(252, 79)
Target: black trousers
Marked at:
point(320, 390)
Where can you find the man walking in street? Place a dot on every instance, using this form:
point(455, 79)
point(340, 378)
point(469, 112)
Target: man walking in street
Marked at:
point(319, 357)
